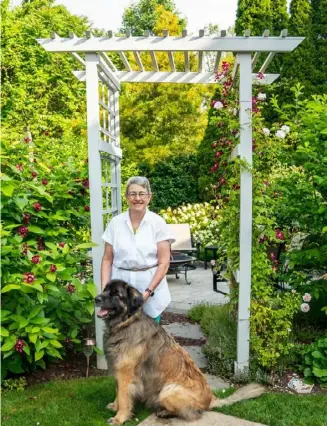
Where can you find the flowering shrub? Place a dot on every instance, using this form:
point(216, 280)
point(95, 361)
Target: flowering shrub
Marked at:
point(272, 311)
point(202, 218)
point(45, 303)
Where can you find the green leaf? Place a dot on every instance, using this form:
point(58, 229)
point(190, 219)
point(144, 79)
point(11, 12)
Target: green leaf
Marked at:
point(7, 189)
point(51, 246)
point(53, 352)
point(32, 337)
point(4, 332)
point(90, 307)
point(10, 287)
point(318, 372)
point(21, 202)
point(50, 330)
point(51, 276)
point(317, 354)
point(85, 246)
point(26, 348)
point(74, 333)
point(7, 346)
point(35, 311)
point(98, 350)
point(92, 289)
point(56, 344)
point(39, 355)
point(35, 229)
point(41, 363)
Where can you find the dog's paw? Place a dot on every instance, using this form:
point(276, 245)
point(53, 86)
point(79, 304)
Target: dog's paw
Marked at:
point(112, 406)
point(117, 420)
point(164, 414)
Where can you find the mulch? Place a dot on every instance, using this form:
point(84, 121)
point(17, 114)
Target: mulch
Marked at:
point(170, 317)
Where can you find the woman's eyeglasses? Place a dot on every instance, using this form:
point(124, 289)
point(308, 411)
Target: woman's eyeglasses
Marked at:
point(141, 195)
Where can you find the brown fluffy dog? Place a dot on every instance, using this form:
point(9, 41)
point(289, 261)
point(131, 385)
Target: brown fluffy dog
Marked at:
point(149, 365)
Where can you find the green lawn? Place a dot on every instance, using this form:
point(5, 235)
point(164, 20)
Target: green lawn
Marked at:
point(82, 402)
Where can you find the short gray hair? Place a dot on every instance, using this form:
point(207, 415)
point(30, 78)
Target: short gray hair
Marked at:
point(139, 180)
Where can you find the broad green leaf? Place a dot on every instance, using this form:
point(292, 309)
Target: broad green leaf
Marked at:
point(53, 352)
point(21, 202)
point(32, 337)
point(51, 246)
point(50, 330)
point(26, 348)
point(4, 332)
point(35, 311)
point(10, 287)
point(85, 246)
point(39, 355)
point(35, 229)
point(317, 354)
point(318, 372)
point(92, 289)
point(7, 189)
point(7, 346)
point(51, 276)
point(90, 307)
point(56, 344)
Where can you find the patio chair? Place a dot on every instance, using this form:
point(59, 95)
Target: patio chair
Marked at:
point(182, 251)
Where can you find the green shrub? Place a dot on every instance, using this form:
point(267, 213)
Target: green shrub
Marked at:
point(173, 181)
point(313, 362)
point(47, 296)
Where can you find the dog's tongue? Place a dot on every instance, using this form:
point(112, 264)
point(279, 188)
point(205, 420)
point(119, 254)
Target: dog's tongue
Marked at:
point(102, 313)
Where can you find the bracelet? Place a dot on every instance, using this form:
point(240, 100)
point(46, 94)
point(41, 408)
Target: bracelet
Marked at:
point(151, 292)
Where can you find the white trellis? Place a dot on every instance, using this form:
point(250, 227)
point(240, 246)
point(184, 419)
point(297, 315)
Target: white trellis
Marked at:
point(103, 80)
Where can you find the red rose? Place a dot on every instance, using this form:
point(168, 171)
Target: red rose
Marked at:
point(53, 268)
point(36, 259)
point(37, 206)
point(23, 231)
point(19, 345)
point(29, 277)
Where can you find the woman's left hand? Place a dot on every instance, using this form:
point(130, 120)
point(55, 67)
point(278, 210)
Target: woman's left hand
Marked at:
point(145, 296)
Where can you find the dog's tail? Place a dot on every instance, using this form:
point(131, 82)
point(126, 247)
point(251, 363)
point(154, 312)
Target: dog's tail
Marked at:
point(250, 391)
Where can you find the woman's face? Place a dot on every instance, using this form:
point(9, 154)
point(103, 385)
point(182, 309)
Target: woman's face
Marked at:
point(138, 198)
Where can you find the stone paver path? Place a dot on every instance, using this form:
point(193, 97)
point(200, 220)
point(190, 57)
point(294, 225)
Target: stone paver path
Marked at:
point(208, 419)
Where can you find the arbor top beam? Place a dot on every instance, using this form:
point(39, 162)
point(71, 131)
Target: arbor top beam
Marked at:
point(174, 44)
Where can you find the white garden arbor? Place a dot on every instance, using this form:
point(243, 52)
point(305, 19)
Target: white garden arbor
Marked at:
point(103, 82)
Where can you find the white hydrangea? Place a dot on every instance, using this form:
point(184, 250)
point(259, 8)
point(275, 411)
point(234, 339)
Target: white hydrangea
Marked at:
point(261, 97)
point(266, 131)
point(218, 105)
point(285, 129)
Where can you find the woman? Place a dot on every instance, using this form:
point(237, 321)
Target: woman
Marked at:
point(137, 249)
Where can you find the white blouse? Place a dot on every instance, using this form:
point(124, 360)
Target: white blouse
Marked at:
point(139, 251)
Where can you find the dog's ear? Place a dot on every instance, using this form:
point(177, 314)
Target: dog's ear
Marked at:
point(134, 300)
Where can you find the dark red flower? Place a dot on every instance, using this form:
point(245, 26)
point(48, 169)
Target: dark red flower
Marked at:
point(261, 76)
point(27, 140)
point(87, 208)
point(262, 240)
point(234, 132)
point(53, 268)
point(37, 206)
point(47, 133)
point(61, 244)
point(222, 181)
point(219, 154)
point(224, 163)
point(265, 182)
point(34, 174)
point(214, 145)
point(26, 218)
point(24, 249)
point(19, 346)
point(228, 143)
point(36, 259)
point(29, 277)
point(44, 182)
point(70, 192)
point(86, 183)
point(272, 256)
point(40, 244)
point(279, 234)
point(220, 124)
point(19, 167)
point(71, 288)
point(226, 199)
point(23, 231)
point(236, 187)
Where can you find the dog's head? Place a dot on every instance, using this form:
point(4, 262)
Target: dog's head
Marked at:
point(118, 301)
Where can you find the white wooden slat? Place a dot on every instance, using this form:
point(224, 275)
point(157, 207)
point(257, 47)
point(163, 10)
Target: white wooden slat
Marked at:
point(236, 152)
point(104, 106)
point(200, 54)
point(176, 77)
point(171, 61)
point(247, 33)
point(109, 148)
point(268, 60)
point(138, 61)
point(125, 61)
point(107, 211)
point(108, 61)
point(109, 73)
point(154, 61)
point(80, 60)
point(174, 44)
point(257, 54)
point(217, 61)
point(109, 134)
